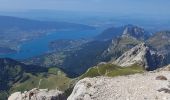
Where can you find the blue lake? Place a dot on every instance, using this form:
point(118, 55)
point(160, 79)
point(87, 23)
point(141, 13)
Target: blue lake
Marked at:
point(39, 46)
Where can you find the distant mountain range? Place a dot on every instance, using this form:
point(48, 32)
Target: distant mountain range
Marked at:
point(122, 51)
point(114, 43)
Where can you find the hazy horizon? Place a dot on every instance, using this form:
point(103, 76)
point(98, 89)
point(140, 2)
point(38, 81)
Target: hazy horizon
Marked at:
point(151, 8)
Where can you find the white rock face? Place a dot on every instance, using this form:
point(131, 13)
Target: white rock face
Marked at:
point(139, 54)
point(132, 87)
point(38, 94)
point(16, 96)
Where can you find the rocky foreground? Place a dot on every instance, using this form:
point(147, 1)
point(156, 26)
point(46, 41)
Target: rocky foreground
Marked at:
point(153, 85)
point(146, 86)
point(38, 94)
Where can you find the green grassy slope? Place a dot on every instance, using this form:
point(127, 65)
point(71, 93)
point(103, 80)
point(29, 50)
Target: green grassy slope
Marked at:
point(112, 70)
point(53, 79)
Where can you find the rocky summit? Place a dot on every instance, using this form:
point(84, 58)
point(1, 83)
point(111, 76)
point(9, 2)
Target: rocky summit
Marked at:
point(38, 94)
point(146, 86)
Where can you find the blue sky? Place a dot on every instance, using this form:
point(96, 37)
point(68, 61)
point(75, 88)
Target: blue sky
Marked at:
point(147, 7)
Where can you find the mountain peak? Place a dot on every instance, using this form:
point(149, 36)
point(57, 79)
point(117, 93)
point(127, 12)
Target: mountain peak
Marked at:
point(135, 32)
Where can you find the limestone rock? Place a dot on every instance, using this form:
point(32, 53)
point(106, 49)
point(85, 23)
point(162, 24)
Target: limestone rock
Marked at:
point(38, 94)
point(139, 54)
point(132, 87)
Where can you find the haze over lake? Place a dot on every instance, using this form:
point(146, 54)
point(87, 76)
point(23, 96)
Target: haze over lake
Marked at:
point(40, 45)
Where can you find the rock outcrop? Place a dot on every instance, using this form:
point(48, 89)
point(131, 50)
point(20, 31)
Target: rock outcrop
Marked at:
point(133, 87)
point(140, 54)
point(38, 94)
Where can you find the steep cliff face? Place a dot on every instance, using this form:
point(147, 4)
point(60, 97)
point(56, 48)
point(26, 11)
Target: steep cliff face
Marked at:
point(140, 54)
point(147, 86)
point(38, 94)
point(160, 42)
